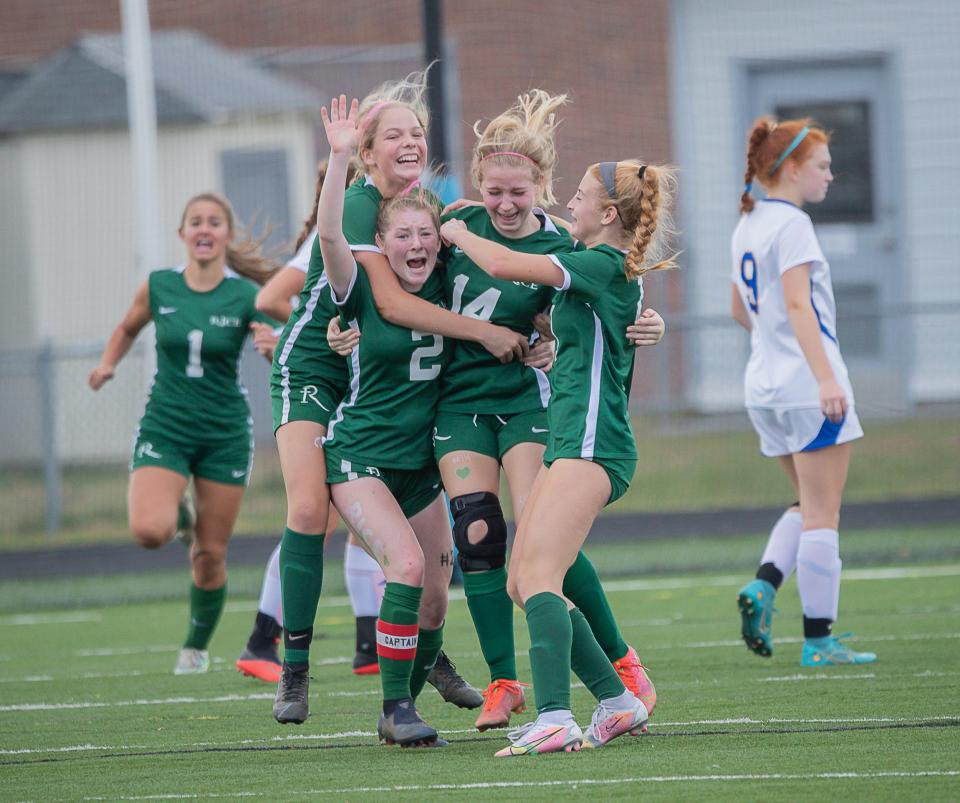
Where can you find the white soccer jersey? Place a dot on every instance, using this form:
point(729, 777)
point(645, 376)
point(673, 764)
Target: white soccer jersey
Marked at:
point(767, 242)
point(301, 259)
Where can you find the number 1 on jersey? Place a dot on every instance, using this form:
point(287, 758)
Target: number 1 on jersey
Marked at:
point(748, 272)
point(194, 365)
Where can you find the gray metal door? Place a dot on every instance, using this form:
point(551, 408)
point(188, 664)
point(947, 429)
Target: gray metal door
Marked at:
point(857, 223)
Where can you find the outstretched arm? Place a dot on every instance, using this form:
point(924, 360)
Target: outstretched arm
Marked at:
point(343, 134)
point(499, 261)
point(404, 309)
point(122, 338)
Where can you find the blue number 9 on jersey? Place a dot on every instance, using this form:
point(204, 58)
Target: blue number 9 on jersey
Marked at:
point(748, 272)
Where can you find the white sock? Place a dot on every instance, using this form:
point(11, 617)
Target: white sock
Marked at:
point(365, 581)
point(555, 717)
point(784, 541)
point(818, 573)
point(271, 602)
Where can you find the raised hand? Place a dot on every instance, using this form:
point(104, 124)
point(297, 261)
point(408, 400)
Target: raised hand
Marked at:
point(340, 125)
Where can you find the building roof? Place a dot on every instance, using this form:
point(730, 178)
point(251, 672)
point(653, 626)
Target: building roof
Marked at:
point(196, 80)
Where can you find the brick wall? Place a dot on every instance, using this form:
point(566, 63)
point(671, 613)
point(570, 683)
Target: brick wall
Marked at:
point(610, 56)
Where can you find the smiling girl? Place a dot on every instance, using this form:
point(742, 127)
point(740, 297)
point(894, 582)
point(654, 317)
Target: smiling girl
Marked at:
point(309, 380)
point(379, 457)
point(197, 421)
point(619, 215)
point(494, 416)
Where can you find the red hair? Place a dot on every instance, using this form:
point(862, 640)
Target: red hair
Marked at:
point(766, 143)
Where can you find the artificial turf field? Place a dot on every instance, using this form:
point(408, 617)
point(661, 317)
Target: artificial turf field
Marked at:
point(89, 708)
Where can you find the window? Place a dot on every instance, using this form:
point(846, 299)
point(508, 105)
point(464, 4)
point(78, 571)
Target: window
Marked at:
point(850, 199)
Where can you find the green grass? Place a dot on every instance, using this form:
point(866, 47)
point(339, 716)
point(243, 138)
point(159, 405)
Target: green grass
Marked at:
point(903, 459)
point(89, 708)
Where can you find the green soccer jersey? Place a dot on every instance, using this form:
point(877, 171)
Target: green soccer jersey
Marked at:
point(196, 392)
point(302, 354)
point(387, 417)
point(475, 381)
point(588, 414)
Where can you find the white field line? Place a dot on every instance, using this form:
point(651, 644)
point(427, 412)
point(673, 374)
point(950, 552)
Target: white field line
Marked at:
point(66, 617)
point(793, 678)
point(332, 737)
point(715, 581)
point(699, 645)
point(613, 586)
point(220, 664)
point(573, 783)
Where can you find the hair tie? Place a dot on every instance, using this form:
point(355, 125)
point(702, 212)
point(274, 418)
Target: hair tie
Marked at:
point(641, 171)
point(410, 187)
point(608, 174)
point(747, 187)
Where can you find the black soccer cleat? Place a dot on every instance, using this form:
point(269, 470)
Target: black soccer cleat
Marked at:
point(403, 726)
point(453, 688)
point(292, 701)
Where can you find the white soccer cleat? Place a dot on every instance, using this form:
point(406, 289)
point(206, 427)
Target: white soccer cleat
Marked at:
point(192, 662)
point(538, 737)
point(610, 721)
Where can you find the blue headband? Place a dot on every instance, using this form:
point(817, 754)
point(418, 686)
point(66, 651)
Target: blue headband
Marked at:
point(608, 174)
point(790, 149)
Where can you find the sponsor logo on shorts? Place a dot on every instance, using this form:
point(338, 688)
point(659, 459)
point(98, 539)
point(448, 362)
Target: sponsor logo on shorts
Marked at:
point(538, 430)
point(437, 437)
point(167, 310)
point(373, 471)
point(238, 473)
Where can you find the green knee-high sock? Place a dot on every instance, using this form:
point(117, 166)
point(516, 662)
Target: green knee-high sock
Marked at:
point(492, 612)
point(205, 609)
point(397, 632)
point(429, 643)
point(301, 578)
point(589, 662)
point(581, 586)
point(551, 635)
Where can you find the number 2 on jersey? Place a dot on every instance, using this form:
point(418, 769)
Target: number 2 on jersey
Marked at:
point(417, 372)
point(748, 272)
point(194, 365)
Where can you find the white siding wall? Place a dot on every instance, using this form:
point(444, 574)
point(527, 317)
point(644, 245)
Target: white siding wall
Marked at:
point(921, 38)
point(78, 207)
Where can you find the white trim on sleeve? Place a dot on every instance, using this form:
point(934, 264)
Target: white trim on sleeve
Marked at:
point(566, 274)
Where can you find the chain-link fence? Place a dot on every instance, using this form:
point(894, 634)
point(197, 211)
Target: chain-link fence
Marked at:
point(237, 91)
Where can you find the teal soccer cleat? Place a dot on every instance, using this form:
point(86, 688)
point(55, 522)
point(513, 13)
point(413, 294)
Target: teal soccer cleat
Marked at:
point(755, 601)
point(830, 651)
